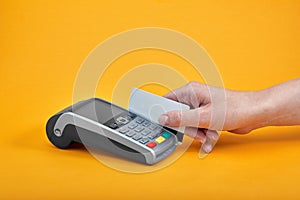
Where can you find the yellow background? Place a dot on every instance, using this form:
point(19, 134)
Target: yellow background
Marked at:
point(42, 45)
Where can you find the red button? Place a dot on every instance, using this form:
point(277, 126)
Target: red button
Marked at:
point(151, 144)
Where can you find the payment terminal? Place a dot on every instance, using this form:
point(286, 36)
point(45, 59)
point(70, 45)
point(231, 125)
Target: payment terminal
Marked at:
point(105, 126)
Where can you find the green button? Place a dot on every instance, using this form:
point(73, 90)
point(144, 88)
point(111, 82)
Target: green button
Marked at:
point(166, 135)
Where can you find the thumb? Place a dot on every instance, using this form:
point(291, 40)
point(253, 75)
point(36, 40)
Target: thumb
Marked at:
point(193, 118)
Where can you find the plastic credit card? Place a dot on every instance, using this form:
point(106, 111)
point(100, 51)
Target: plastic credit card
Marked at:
point(151, 106)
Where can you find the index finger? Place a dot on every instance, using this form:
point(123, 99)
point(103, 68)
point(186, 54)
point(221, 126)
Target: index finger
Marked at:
point(184, 94)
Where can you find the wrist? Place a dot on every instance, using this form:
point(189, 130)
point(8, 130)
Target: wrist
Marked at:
point(264, 108)
point(258, 109)
point(282, 103)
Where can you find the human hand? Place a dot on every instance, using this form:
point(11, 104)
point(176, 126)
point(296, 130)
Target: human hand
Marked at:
point(213, 109)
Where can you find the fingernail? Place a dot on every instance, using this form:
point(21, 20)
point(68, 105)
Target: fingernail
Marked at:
point(207, 148)
point(215, 137)
point(163, 119)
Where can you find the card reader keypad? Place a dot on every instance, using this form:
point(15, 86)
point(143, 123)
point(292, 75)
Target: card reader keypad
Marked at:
point(144, 132)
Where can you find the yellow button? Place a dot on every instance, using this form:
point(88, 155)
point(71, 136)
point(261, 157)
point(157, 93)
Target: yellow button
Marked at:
point(160, 139)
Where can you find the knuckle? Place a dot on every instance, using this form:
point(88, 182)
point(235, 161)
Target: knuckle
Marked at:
point(193, 84)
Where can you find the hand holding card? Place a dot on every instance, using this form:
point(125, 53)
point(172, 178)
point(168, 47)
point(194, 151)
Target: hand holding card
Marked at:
point(151, 106)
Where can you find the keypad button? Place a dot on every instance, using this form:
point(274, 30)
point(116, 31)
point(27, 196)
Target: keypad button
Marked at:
point(139, 129)
point(130, 133)
point(122, 120)
point(160, 139)
point(123, 130)
point(146, 132)
point(152, 127)
point(157, 131)
point(146, 123)
point(132, 125)
point(152, 136)
point(137, 137)
point(113, 125)
point(139, 120)
point(166, 135)
point(151, 144)
point(144, 140)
